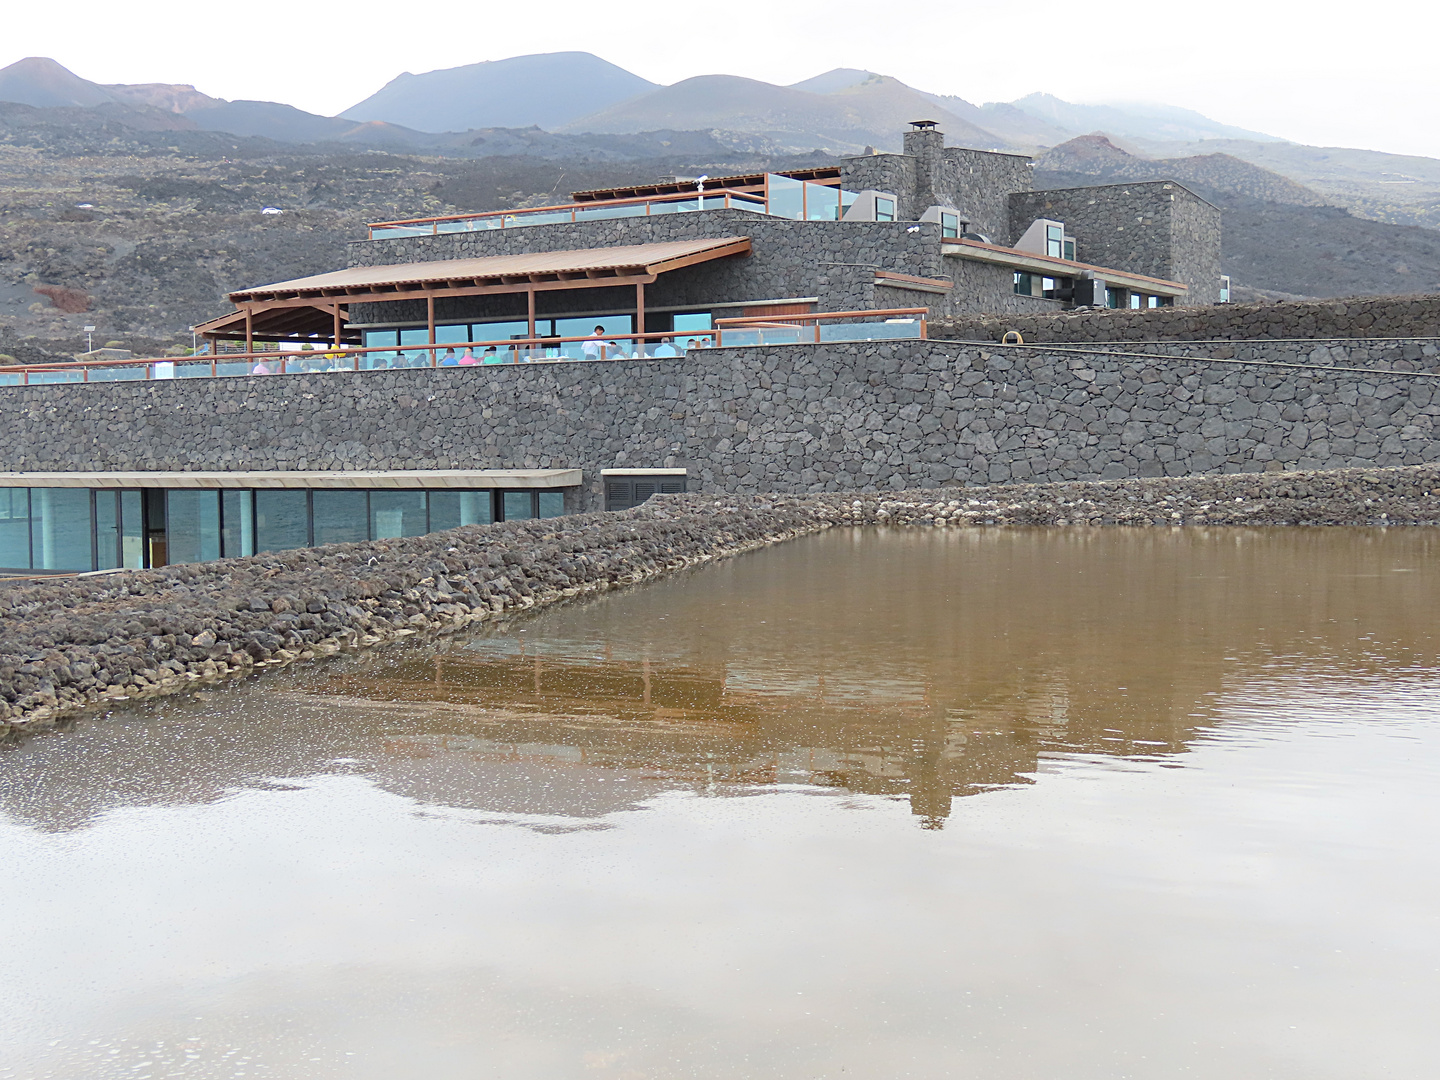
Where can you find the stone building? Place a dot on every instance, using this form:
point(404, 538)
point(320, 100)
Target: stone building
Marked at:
point(692, 285)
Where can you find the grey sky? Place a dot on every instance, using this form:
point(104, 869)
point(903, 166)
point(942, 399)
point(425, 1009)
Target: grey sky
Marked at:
point(1321, 73)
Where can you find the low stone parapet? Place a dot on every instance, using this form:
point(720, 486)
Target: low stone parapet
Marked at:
point(1352, 317)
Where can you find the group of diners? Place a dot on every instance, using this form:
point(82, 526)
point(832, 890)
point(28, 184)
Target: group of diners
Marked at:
point(599, 346)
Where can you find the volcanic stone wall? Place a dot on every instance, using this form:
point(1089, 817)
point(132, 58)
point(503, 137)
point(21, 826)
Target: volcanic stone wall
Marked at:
point(1160, 229)
point(1353, 317)
point(832, 417)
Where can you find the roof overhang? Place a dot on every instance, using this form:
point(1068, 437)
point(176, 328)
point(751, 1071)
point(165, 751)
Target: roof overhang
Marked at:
point(1029, 262)
point(638, 264)
point(311, 323)
point(409, 479)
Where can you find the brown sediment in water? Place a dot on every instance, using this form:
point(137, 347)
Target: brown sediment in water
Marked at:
point(79, 644)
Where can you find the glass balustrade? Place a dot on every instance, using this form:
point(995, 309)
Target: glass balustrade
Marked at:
point(797, 199)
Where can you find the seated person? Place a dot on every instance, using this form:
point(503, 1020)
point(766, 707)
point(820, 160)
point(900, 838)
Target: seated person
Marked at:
point(450, 359)
point(666, 348)
point(491, 356)
point(467, 358)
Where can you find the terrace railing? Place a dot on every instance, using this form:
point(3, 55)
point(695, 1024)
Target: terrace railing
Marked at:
point(550, 215)
point(888, 324)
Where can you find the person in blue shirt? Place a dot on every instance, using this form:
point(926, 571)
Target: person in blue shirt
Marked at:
point(450, 359)
point(666, 348)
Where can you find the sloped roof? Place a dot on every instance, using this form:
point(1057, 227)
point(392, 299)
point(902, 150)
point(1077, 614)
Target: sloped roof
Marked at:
point(582, 267)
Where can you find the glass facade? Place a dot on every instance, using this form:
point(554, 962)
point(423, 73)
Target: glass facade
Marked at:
point(72, 530)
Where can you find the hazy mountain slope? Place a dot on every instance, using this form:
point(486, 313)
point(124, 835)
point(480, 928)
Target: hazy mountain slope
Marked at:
point(172, 97)
point(1396, 188)
point(1096, 156)
point(1139, 121)
point(874, 112)
point(40, 81)
point(545, 89)
point(269, 120)
point(832, 80)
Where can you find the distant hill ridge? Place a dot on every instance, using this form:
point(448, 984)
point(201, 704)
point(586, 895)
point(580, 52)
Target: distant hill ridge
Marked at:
point(1097, 156)
point(576, 103)
point(843, 110)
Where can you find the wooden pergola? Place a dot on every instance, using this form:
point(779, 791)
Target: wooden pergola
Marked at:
point(322, 324)
point(298, 307)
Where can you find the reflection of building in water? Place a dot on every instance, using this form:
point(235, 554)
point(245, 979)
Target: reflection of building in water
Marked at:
point(926, 741)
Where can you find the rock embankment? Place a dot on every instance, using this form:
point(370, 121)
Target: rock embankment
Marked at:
point(71, 644)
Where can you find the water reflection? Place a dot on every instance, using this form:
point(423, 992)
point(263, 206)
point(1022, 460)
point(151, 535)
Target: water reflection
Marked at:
point(924, 666)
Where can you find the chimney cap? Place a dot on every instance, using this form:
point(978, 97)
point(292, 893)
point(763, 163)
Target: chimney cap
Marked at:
point(924, 125)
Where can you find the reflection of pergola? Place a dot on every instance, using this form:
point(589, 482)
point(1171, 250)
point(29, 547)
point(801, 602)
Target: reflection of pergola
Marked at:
point(316, 308)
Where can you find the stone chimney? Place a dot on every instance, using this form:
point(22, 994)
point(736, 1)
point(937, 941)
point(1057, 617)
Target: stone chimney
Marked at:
point(926, 144)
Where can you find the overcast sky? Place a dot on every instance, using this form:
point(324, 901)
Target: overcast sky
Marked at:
point(1361, 75)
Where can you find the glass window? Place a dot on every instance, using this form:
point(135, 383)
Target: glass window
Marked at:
point(518, 505)
point(417, 357)
point(60, 529)
point(1023, 283)
point(884, 208)
point(502, 331)
point(132, 531)
point(192, 526)
point(340, 517)
point(551, 503)
point(452, 335)
point(949, 225)
point(847, 200)
point(237, 535)
point(787, 197)
point(282, 520)
point(15, 528)
point(107, 530)
point(1113, 297)
point(1135, 299)
point(1054, 241)
point(381, 338)
point(451, 509)
point(397, 513)
point(1070, 250)
point(693, 322)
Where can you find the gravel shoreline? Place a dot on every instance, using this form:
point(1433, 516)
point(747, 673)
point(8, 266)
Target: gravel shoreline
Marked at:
point(75, 644)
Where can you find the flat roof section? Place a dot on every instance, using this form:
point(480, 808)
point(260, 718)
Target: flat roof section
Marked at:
point(573, 269)
point(1047, 264)
point(409, 479)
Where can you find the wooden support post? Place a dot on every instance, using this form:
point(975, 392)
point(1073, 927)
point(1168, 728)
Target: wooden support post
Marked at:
point(336, 328)
point(430, 322)
point(530, 309)
point(640, 317)
point(249, 329)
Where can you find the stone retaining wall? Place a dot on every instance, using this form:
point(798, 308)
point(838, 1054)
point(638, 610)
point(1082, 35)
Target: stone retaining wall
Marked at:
point(1354, 317)
point(82, 643)
point(795, 418)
